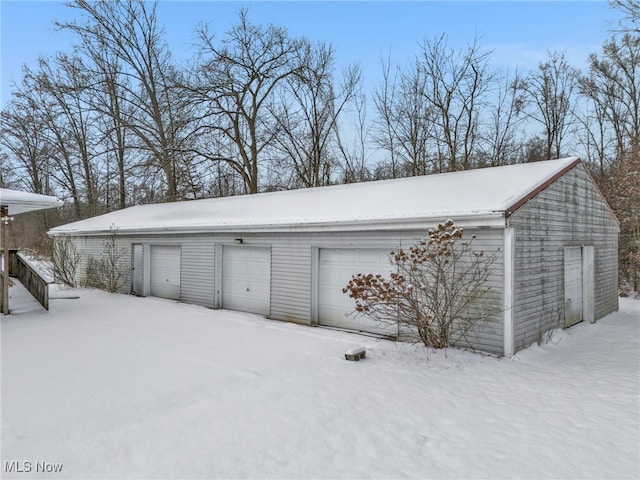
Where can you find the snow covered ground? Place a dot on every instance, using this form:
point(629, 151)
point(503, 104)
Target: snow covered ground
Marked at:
point(113, 386)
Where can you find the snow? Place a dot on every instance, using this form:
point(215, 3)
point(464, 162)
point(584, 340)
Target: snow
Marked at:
point(487, 191)
point(40, 264)
point(21, 202)
point(115, 386)
point(355, 350)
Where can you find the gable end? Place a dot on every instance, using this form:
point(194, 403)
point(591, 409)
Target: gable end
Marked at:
point(513, 208)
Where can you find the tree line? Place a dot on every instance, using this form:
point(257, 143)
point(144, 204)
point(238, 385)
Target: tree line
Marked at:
point(116, 122)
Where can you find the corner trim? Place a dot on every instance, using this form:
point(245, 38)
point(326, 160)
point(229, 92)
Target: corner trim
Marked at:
point(508, 299)
point(315, 279)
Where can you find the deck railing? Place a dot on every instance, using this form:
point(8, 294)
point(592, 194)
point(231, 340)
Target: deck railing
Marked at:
point(29, 277)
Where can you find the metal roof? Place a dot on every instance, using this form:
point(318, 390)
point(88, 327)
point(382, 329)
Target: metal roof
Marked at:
point(486, 196)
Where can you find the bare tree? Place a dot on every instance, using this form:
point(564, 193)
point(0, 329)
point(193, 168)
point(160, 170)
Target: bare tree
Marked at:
point(307, 112)
point(622, 190)
point(457, 81)
point(24, 142)
point(613, 85)
point(384, 126)
point(534, 149)
point(8, 177)
point(405, 120)
point(612, 88)
point(225, 182)
point(631, 11)
point(547, 95)
point(594, 133)
point(62, 156)
point(65, 82)
point(500, 140)
point(355, 153)
point(129, 32)
point(235, 82)
point(106, 273)
point(428, 112)
point(115, 114)
point(65, 260)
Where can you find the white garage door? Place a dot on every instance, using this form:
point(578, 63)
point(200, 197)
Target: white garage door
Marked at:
point(246, 279)
point(336, 267)
point(165, 271)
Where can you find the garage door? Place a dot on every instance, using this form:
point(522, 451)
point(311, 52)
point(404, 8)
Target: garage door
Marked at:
point(165, 271)
point(246, 279)
point(336, 267)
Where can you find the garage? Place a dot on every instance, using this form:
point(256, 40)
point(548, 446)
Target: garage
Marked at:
point(246, 279)
point(336, 266)
point(288, 254)
point(165, 271)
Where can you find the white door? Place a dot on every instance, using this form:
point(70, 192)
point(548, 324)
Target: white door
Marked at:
point(246, 279)
point(572, 286)
point(137, 270)
point(165, 271)
point(335, 269)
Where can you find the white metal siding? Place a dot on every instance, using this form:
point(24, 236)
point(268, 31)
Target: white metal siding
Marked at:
point(93, 247)
point(198, 263)
point(246, 278)
point(291, 267)
point(165, 271)
point(290, 279)
point(568, 212)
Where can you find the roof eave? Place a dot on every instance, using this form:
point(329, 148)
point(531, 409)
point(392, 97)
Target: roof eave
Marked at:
point(493, 219)
point(26, 207)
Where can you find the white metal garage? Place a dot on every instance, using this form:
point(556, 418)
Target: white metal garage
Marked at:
point(246, 279)
point(525, 214)
point(336, 267)
point(165, 271)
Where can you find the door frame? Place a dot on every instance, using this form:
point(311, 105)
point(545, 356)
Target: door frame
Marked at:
point(137, 250)
point(587, 265)
point(588, 283)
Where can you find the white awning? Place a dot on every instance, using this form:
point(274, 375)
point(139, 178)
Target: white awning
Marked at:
point(22, 202)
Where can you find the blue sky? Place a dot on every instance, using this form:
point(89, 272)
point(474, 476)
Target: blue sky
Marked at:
point(518, 33)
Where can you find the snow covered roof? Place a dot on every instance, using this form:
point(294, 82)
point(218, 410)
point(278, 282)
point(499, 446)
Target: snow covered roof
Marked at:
point(487, 192)
point(21, 202)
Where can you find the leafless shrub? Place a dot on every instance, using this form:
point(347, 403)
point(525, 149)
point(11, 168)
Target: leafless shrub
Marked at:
point(105, 273)
point(549, 324)
point(65, 260)
point(437, 293)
